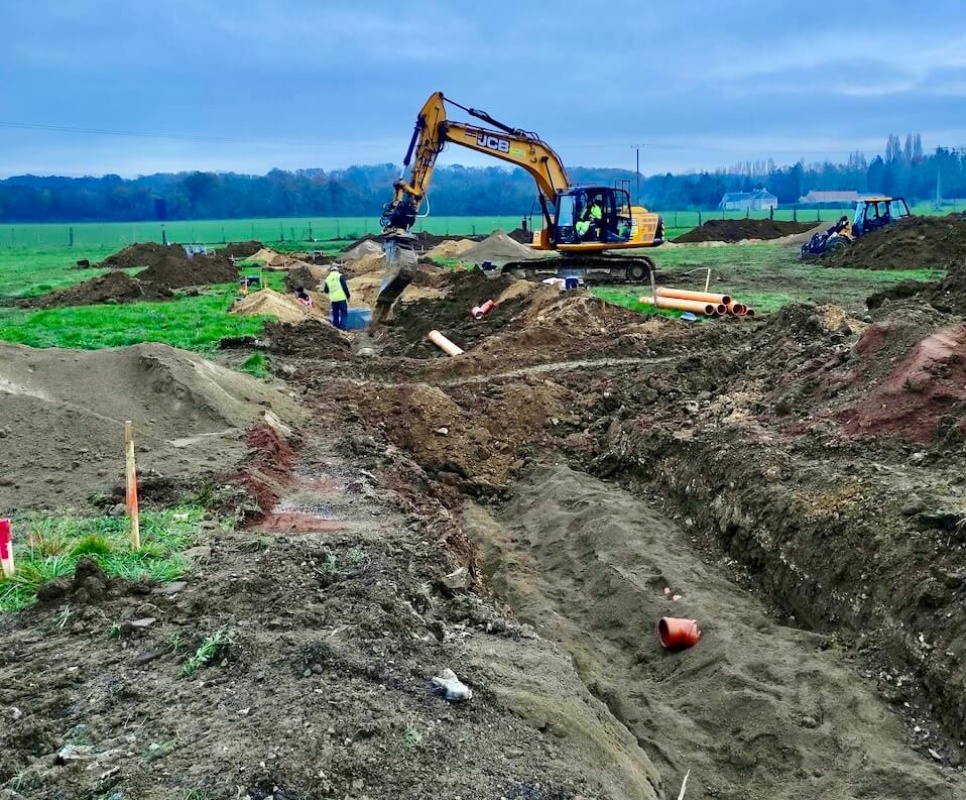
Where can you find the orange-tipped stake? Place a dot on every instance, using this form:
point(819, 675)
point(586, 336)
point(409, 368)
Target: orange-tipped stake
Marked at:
point(6, 549)
point(132, 486)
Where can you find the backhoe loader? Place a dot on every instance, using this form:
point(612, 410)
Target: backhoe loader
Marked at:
point(582, 223)
point(871, 213)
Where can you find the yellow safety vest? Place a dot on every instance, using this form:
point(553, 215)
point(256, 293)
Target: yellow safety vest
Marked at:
point(595, 212)
point(333, 282)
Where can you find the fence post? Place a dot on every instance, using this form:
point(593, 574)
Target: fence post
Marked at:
point(164, 236)
point(71, 233)
point(699, 218)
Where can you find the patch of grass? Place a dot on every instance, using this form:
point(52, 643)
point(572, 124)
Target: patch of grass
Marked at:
point(255, 365)
point(29, 271)
point(412, 737)
point(206, 651)
point(50, 547)
point(191, 323)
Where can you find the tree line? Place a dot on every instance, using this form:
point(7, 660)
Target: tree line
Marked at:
point(361, 191)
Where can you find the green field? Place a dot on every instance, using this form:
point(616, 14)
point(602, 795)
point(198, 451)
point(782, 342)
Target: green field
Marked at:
point(764, 276)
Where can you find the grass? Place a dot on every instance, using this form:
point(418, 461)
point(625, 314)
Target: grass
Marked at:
point(31, 271)
point(206, 651)
point(763, 276)
point(255, 365)
point(50, 547)
point(191, 323)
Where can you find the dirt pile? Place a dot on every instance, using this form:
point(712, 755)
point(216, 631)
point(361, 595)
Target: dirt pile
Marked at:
point(242, 250)
point(284, 307)
point(366, 247)
point(451, 248)
point(313, 338)
point(499, 249)
point(735, 230)
point(308, 276)
point(70, 408)
point(270, 258)
point(911, 243)
point(168, 268)
point(113, 287)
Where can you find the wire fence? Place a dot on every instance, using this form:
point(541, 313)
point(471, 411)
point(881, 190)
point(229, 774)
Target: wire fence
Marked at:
point(98, 235)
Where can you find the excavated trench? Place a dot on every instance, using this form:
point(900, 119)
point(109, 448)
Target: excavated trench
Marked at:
point(827, 567)
point(757, 709)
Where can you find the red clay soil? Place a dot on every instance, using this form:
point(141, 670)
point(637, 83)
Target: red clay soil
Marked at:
point(267, 472)
point(923, 398)
point(912, 243)
point(734, 230)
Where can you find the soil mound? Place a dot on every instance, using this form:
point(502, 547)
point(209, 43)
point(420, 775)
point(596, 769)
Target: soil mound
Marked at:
point(521, 236)
point(176, 272)
point(70, 407)
point(451, 248)
point(113, 287)
point(270, 258)
point(308, 276)
point(367, 247)
point(313, 338)
point(268, 302)
point(911, 243)
point(168, 267)
point(499, 248)
point(734, 230)
point(141, 255)
point(450, 314)
point(242, 249)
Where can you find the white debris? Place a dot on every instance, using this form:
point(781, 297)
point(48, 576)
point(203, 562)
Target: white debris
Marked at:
point(452, 687)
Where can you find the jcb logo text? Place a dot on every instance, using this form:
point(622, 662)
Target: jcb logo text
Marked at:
point(493, 143)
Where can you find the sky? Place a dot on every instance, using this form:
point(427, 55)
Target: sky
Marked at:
point(253, 85)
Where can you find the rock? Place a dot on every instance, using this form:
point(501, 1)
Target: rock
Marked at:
point(139, 624)
point(198, 553)
point(457, 580)
point(172, 588)
point(452, 688)
point(913, 506)
point(74, 752)
point(809, 722)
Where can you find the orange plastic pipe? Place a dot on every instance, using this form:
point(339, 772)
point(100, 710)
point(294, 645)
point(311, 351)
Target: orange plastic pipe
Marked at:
point(677, 634)
point(750, 312)
point(708, 309)
point(685, 294)
point(444, 344)
point(721, 309)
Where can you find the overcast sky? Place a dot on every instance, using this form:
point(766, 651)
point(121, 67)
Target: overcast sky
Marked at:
point(289, 84)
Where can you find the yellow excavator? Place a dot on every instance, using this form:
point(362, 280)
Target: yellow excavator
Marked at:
point(582, 223)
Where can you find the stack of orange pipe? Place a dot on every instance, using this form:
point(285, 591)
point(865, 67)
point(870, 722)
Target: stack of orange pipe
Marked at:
point(706, 303)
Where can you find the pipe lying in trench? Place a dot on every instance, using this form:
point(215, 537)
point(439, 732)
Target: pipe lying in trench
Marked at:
point(444, 344)
point(694, 306)
point(686, 294)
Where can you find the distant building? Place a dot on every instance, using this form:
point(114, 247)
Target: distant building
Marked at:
point(814, 198)
point(760, 200)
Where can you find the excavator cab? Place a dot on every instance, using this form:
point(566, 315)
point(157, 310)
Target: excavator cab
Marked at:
point(576, 221)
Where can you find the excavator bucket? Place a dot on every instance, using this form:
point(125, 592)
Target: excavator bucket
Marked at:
point(401, 264)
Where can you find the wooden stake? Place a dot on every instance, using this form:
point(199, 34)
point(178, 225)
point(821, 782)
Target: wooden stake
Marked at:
point(6, 549)
point(707, 281)
point(132, 486)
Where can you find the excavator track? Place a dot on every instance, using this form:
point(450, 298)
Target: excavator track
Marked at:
point(592, 269)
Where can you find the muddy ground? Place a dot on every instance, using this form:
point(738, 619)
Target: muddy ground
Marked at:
point(794, 483)
point(735, 230)
point(813, 460)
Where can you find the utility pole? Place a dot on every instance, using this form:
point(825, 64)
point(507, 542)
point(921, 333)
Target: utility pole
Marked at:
point(637, 152)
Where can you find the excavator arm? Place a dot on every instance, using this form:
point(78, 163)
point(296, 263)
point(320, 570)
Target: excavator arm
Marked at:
point(433, 131)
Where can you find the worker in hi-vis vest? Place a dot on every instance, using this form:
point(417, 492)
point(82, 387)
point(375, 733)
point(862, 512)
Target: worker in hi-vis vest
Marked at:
point(337, 289)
